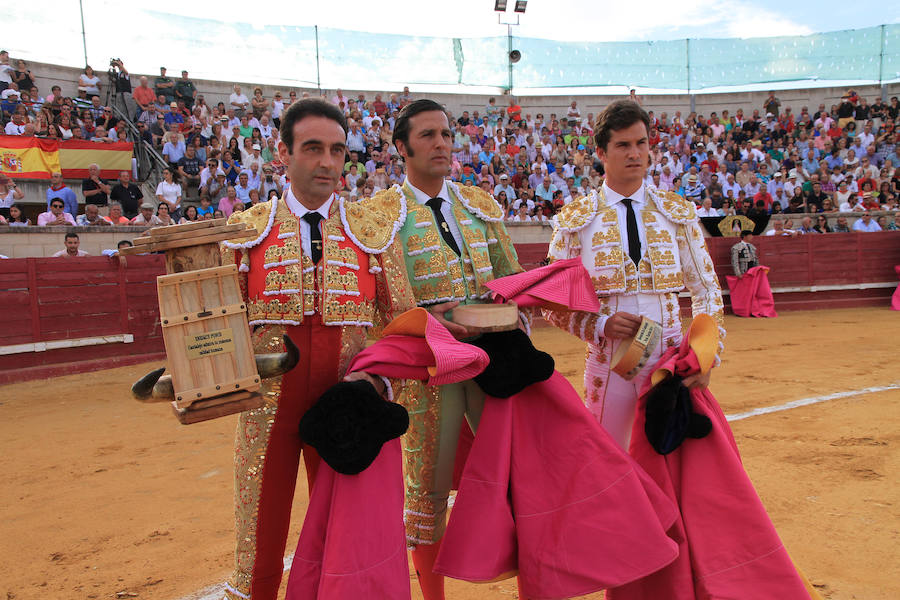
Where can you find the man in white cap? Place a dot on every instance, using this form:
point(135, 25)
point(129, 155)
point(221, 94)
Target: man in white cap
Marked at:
point(776, 183)
point(694, 190)
point(791, 183)
point(504, 186)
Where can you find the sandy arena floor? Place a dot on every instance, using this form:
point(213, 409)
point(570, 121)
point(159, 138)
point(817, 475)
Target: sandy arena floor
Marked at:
point(104, 497)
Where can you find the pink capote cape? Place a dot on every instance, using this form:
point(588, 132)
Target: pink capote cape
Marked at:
point(728, 547)
point(895, 299)
point(751, 295)
point(548, 493)
point(545, 490)
point(564, 283)
point(353, 542)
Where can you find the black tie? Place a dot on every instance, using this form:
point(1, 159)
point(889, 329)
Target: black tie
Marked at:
point(315, 236)
point(634, 240)
point(435, 205)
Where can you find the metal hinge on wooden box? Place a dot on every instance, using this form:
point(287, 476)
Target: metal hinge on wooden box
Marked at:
point(204, 321)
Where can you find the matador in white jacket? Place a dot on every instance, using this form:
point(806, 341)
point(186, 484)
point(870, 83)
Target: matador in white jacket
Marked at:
point(642, 247)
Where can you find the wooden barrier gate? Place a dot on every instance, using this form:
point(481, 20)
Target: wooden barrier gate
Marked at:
point(57, 311)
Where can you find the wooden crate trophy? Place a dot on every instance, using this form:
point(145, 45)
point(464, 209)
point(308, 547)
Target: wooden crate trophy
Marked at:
point(204, 322)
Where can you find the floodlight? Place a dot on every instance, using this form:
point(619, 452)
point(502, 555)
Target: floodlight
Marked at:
point(520, 6)
point(500, 5)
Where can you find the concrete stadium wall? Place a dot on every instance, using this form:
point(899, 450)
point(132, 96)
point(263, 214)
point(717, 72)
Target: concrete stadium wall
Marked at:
point(25, 242)
point(47, 75)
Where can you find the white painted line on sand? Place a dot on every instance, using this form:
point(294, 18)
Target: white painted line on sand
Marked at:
point(807, 401)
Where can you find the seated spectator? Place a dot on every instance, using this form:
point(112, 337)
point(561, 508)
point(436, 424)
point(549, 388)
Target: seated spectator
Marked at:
point(56, 215)
point(866, 224)
point(821, 225)
point(71, 250)
point(17, 217)
point(115, 216)
point(242, 189)
point(806, 226)
point(94, 189)
point(205, 207)
point(226, 204)
point(841, 225)
point(9, 193)
point(16, 125)
point(173, 149)
point(522, 215)
point(852, 204)
point(146, 216)
point(707, 210)
point(127, 194)
point(888, 225)
point(189, 174)
point(694, 190)
point(169, 192)
point(91, 217)
point(190, 215)
point(828, 206)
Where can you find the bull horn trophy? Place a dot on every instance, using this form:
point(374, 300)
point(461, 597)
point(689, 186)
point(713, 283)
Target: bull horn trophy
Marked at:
point(204, 321)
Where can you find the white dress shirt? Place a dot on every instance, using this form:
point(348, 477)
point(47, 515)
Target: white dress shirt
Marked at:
point(446, 209)
point(638, 201)
point(299, 211)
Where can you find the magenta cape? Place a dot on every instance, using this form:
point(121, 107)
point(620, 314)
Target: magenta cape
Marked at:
point(546, 492)
point(563, 283)
point(353, 542)
point(895, 299)
point(729, 549)
point(751, 295)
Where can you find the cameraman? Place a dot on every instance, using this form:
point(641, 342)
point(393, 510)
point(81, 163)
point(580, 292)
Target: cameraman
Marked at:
point(122, 81)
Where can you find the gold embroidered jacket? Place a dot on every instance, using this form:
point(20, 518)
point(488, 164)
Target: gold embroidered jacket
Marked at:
point(675, 255)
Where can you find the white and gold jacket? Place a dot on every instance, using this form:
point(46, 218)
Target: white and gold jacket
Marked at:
point(675, 256)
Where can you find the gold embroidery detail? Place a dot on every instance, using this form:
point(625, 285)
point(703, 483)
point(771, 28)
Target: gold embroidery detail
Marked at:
point(373, 220)
point(414, 244)
point(610, 237)
point(608, 259)
point(577, 213)
point(662, 258)
point(256, 216)
point(658, 236)
point(667, 281)
point(477, 199)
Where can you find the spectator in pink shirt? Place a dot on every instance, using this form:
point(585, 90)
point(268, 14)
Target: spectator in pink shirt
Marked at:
point(56, 215)
point(71, 250)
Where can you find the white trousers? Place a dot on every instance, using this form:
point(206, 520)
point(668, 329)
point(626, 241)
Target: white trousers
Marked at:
point(608, 396)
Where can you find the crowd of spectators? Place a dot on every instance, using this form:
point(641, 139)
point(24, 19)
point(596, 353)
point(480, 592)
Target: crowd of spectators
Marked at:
point(223, 157)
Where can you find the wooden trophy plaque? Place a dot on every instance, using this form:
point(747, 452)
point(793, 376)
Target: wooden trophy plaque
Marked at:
point(204, 320)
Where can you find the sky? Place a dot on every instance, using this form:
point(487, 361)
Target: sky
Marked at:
point(143, 35)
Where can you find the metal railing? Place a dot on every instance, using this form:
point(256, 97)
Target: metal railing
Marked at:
point(150, 163)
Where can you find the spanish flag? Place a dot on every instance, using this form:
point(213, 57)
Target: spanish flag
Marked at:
point(28, 157)
point(37, 158)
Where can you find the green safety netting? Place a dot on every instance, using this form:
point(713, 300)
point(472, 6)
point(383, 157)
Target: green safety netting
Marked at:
point(310, 56)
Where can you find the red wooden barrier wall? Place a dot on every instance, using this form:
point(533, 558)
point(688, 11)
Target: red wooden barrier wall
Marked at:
point(46, 299)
